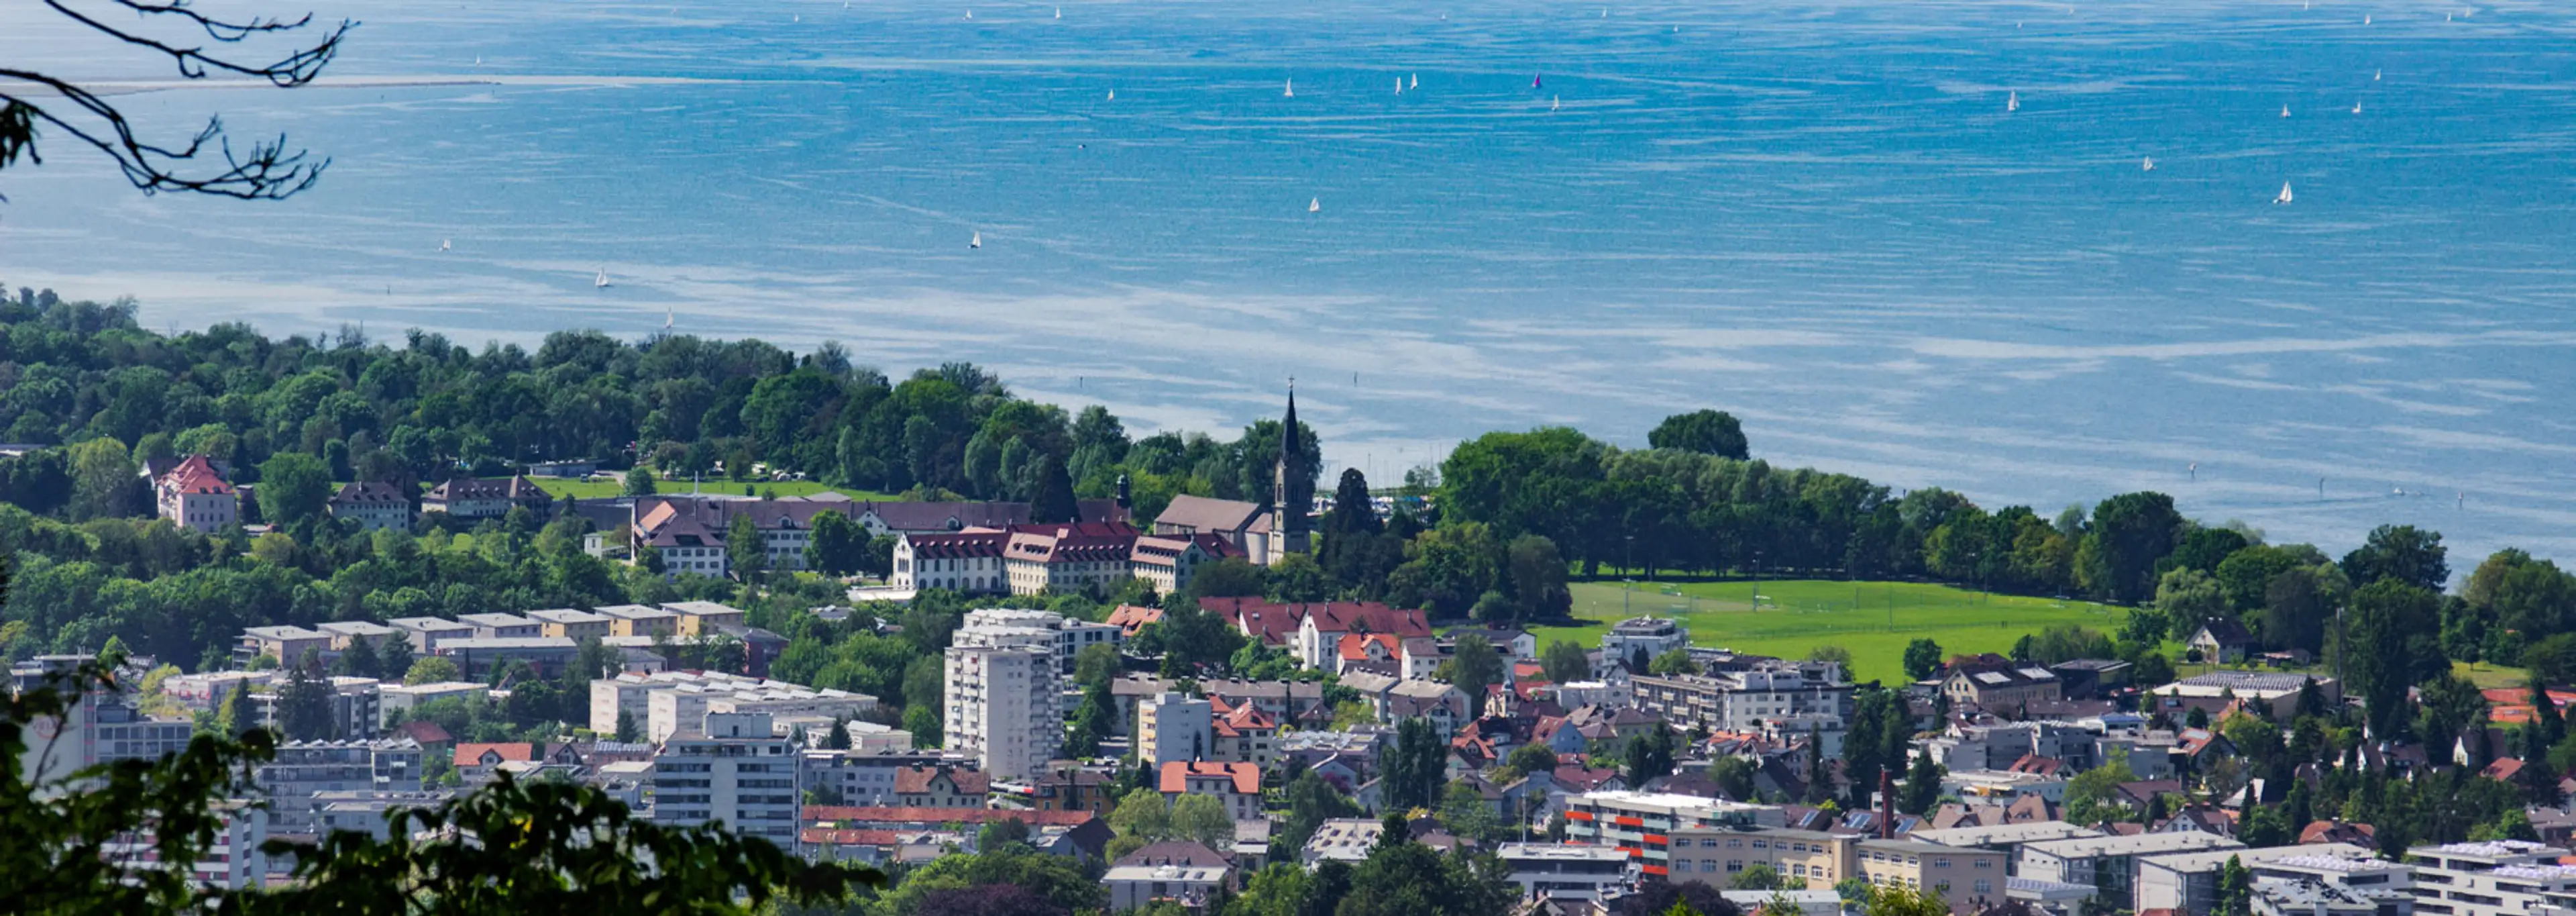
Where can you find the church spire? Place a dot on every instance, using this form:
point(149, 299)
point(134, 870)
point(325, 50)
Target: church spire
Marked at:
point(1292, 493)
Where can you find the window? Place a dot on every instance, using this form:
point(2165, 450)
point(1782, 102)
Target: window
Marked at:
point(1985, 863)
point(1984, 886)
point(1734, 865)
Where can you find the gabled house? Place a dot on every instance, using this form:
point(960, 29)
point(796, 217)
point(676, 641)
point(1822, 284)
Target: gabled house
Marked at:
point(1237, 785)
point(2222, 640)
point(193, 495)
point(477, 497)
point(1244, 733)
point(925, 786)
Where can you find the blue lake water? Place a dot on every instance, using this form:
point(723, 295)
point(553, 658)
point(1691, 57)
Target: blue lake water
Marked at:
point(1819, 216)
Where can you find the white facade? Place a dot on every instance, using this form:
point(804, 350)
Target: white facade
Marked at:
point(1064, 636)
point(1136, 886)
point(1556, 871)
point(972, 574)
point(2497, 878)
point(1173, 727)
point(730, 769)
point(1003, 707)
point(1655, 635)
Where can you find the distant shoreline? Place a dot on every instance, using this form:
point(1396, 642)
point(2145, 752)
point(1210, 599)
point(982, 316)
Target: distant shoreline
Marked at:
point(133, 87)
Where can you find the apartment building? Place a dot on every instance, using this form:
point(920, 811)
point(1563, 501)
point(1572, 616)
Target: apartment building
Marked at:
point(964, 562)
point(485, 497)
point(2109, 863)
point(2187, 882)
point(1065, 636)
point(639, 621)
point(1238, 785)
point(1965, 877)
point(303, 770)
point(1779, 701)
point(1651, 636)
point(1643, 822)
point(729, 768)
point(706, 618)
point(346, 633)
point(566, 623)
point(428, 632)
point(1174, 728)
point(1715, 855)
point(102, 726)
point(2490, 878)
point(674, 699)
point(1003, 707)
point(1548, 871)
point(859, 778)
point(286, 644)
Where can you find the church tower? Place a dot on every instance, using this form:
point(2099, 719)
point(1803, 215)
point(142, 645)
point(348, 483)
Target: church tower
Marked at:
point(1292, 486)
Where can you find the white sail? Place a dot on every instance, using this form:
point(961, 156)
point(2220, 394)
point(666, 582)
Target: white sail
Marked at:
point(2365, 19)
point(2285, 111)
point(1555, 102)
point(1417, 82)
point(1315, 205)
point(442, 244)
point(2147, 166)
point(2285, 194)
point(601, 280)
point(1059, 12)
point(669, 317)
point(976, 242)
point(2012, 102)
point(1113, 95)
point(2356, 108)
point(1290, 91)
point(2375, 74)
point(1399, 85)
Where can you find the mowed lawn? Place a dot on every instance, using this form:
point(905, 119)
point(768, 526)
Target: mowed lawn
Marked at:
point(598, 489)
point(1874, 620)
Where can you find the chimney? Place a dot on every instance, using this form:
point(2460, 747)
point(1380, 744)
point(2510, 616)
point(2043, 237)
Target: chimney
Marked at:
point(1886, 805)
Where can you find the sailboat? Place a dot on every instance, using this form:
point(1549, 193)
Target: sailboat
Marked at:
point(1417, 82)
point(970, 14)
point(442, 244)
point(2375, 74)
point(669, 317)
point(2012, 102)
point(1113, 95)
point(2285, 194)
point(2147, 166)
point(1291, 91)
point(976, 242)
point(2356, 108)
point(1315, 205)
point(1399, 85)
point(1554, 102)
point(1059, 12)
point(1534, 82)
point(601, 281)
point(2365, 19)
point(2285, 111)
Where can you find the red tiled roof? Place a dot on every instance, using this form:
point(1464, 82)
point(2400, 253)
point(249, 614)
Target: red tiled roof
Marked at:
point(820, 836)
point(194, 475)
point(962, 544)
point(917, 778)
point(1133, 618)
point(1232, 723)
point(425, 732)
point(470, 754)
point(1276, 624)
point(1177, 774)
point(1354, 646)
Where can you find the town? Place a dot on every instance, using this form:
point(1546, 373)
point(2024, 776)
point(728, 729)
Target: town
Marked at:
point(1091, 697)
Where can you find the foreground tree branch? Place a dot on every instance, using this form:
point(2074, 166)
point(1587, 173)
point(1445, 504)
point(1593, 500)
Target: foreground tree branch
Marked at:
point(208, 162)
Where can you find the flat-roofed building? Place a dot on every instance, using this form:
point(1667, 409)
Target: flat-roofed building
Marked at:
point(477, 656)
point(285, 644)
point(428, 632)
point(705, 618)
point(2188, 881)
point(2110, 863)
point(2005, 838)
point(500, 626)
point(566, 623)
point(1563, 871)
point(1136, 886)
point(345, 633)
point(1644, 821)
point(2490, 878)
point(1714, 856)
point(638, 620)
point(397, 697)
point(1964, 877)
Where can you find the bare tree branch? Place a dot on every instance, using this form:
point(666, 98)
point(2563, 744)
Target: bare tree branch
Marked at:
point(266, 171)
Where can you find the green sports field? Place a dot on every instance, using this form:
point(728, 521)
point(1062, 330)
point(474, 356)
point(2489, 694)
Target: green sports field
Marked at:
point(1874, 620)
point(597, 489)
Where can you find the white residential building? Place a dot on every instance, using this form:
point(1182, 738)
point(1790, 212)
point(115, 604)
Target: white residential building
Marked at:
point(731, 768)
point(1065, 636)
point(1652, 635)
point(1003, 707)
point(104, 725)
point(192, 495)
point(2188, 881)
point(2109, 863)
point(1136, 886)
point(2493, 878)
point(1174, 727)
point(1553, 871)
point(667, 702)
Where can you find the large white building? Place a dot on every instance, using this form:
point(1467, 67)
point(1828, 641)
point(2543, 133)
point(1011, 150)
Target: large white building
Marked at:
point(2492, 878)
point(1064, 636)
point(104, 725)
point(192, 495)
point(1173, 727)
point(666, 702)
point(729, 767)
point(1652, 635)
point(1003, 707)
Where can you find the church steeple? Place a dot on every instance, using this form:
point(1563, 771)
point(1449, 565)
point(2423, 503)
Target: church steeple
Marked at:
point(1292, 491)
